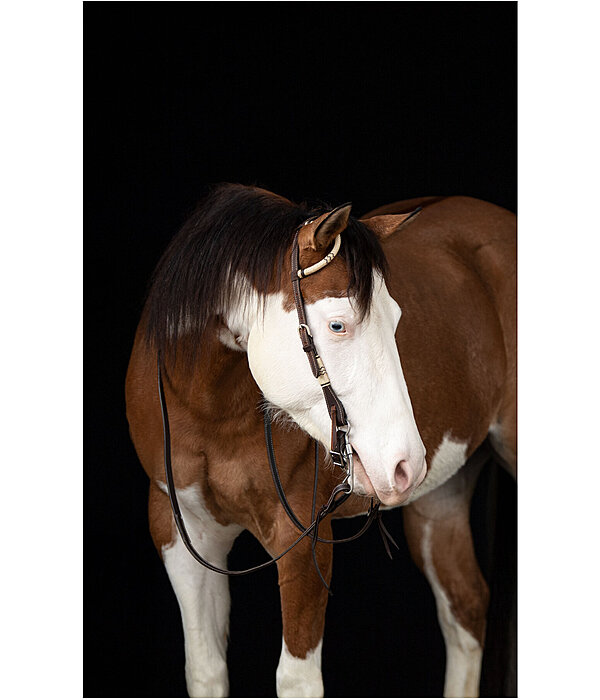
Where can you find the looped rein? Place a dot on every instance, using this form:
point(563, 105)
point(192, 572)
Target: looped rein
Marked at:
point(340, 449)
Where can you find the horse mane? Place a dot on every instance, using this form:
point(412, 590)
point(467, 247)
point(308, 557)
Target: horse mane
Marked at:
point(237, 236)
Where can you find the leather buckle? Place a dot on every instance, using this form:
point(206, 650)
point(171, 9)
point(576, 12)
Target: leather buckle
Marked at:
point(306, 338)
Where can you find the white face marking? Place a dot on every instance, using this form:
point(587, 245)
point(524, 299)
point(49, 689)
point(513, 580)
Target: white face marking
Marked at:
point(449, 457)
point(463, 653)
point(365, 372)
point(300, 678)
point(203, 596)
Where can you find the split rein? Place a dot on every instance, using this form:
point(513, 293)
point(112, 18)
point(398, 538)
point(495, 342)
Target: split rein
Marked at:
point(340, 451)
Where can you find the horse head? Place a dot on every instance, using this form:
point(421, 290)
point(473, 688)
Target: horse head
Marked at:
point(232, 262)
point(353, 321)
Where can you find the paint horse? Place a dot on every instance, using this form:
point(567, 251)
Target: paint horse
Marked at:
point(414, 319)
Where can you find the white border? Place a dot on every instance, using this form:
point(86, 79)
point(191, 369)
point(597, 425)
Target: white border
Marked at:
point(41, 296)
point(559, 347)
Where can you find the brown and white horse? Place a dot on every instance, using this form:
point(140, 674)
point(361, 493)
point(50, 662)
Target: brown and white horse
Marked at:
point(414, 320)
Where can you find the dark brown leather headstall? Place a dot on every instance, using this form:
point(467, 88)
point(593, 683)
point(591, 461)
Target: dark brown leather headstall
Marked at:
point(341, 449)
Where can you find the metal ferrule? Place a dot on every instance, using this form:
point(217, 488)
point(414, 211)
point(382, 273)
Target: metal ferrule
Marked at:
point(322, 377)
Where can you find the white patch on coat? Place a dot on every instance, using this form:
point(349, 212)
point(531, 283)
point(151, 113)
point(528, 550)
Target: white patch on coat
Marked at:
point(449, 457)
point(203, 595)
point(463, 652)
point(300, 678)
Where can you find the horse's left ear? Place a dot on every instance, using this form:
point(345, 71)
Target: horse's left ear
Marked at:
point(387, 225)
point(319, 234)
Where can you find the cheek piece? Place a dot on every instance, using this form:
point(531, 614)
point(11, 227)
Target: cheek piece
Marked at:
point(340, 448)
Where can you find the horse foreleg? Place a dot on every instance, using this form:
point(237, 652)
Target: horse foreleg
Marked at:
point(203, 595)
point(303, 604)
point(439, 536)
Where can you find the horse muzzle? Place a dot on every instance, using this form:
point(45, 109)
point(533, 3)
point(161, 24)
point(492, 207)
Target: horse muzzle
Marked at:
point(392, 486)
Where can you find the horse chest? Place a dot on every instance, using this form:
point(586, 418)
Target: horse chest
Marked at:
point(448, 458)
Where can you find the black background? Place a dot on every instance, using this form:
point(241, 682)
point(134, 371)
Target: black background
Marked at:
point(335, 102)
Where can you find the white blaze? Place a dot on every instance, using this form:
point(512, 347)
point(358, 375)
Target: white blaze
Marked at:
point(365, 372)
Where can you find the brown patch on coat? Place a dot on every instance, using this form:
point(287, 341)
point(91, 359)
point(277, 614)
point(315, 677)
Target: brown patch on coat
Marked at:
point(303, 596)
point(160, 517)
point(452, 273)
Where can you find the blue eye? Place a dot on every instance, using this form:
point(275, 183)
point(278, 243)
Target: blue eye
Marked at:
point(337, 326)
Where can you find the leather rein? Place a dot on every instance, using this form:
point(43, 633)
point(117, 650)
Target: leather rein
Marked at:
point(340, 448)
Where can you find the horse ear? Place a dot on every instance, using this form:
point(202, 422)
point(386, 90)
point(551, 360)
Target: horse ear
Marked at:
point(318, 234)
point(387, 225)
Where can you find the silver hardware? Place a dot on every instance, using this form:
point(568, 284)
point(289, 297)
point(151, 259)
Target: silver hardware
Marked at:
point(345, 458)
point(306, 328)
point(345, 428)
point(349, 466)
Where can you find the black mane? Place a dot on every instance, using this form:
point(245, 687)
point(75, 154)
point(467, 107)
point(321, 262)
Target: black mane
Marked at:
point(238, 234)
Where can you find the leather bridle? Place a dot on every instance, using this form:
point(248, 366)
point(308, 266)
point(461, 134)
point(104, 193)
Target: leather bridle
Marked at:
point(340, 448)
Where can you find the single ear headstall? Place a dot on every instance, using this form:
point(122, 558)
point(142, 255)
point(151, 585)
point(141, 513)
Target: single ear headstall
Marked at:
point(326, 260)
point(340, 449)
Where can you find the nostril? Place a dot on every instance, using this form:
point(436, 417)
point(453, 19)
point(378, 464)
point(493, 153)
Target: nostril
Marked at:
point(402, 475)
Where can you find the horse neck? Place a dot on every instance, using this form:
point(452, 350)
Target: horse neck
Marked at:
point(219, 381)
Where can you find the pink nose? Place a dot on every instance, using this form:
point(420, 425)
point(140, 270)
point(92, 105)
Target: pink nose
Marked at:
point(392, 488)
